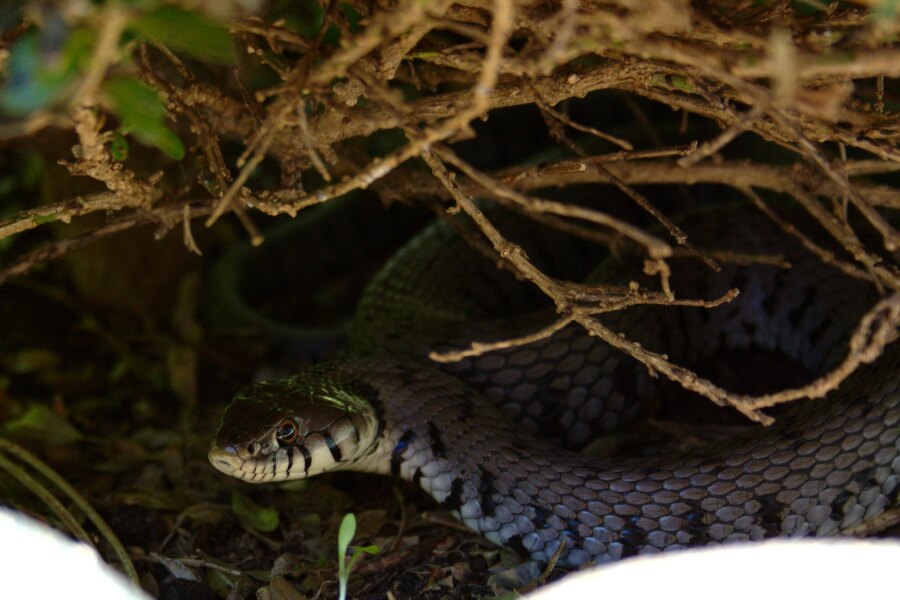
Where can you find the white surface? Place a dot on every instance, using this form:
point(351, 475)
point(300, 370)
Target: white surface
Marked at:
point(37, 562)
point(839, 569)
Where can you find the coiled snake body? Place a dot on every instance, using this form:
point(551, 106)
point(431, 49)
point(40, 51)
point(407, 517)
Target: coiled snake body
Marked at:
point(827, 465)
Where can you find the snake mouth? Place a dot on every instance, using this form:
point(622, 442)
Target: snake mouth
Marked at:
point(238, 462)
point(253, 463)
point(225, 459)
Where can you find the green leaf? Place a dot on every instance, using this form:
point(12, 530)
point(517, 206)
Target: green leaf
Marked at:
point(119, 147)
point(346, 533)
point(41, 424)
point(252, 514)
point(163, 138)
point(136, 103)
point(142, 114)
point(187, 32)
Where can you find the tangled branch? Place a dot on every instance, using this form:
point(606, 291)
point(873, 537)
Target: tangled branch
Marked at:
point(818, 86)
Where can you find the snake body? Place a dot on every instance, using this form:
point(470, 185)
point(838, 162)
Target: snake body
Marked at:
point(826, 466)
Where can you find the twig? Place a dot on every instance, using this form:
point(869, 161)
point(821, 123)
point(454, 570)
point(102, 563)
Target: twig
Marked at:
point(877, 328)
point(826, 256)
point(656, 248)
point(601, 300)
point(564, 119)
point(113, 21)
point(378, 168)
point(890, 235)
point(257, 153)
point(736, 128)
point(479, 348)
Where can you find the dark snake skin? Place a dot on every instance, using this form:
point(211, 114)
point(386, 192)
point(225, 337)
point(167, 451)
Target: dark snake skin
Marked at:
point(827, 465)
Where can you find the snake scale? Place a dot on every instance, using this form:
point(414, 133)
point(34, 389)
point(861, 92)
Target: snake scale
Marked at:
point(826, 465)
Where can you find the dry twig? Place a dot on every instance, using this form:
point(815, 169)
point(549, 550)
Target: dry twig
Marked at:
point(794, 88)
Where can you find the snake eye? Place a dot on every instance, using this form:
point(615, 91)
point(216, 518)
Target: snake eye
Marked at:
point(286, 432)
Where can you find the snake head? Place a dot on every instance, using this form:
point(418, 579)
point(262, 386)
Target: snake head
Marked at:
point(294, 428)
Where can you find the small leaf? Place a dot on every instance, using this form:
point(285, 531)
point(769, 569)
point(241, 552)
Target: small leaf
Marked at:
point(346, 533)
point(163, 138)
point(252, 514)
point(187, 32)
point(143, 114)
point(39, 423)
point(135, 102)
point(357, 554)
point(118, 148)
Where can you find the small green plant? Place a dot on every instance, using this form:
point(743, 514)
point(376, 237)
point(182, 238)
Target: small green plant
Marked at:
point(345, 563)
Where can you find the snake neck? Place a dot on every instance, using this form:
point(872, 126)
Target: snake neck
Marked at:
point(816, 473)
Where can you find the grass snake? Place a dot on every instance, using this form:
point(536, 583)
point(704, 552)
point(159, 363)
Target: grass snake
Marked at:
point(825, 466)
